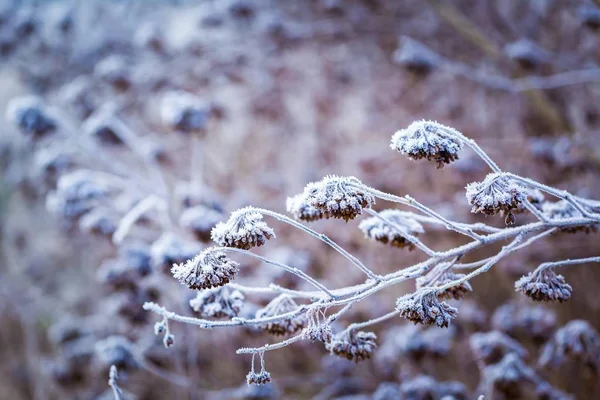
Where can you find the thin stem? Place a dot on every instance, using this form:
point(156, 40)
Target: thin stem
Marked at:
point(569, 262)
point(287, 268)
point(268, 347)
point(319, 236)
point(373, 321)
point(403, 232)
point(534, 210)
point(134, 214)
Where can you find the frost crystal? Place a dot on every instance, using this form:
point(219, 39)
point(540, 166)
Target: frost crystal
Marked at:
point(376, 229)
point(300, 210)
point(31, 116)
point(430, 140)
point(544, 285)
point(576, 340)
point(355, 346)
point(338, 197)
point(281, 305)
point(208, 269)
point(494, 194)
point(491, 347)
point(426, 309)
point(218, 302)
point(244, 229)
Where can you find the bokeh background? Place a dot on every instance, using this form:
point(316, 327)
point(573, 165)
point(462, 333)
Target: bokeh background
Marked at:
point(291, 91)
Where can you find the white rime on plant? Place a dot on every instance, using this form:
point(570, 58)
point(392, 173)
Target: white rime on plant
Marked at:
point(209, 269)
point(244, 229)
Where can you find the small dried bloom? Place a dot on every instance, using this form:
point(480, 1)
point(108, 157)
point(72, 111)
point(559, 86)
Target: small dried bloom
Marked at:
point(301, 210)
point(318, 333)
point(544, 284)
point(169, 249)
point(509, 378)
point(281, 305)
point(492, 346)
point(430, 140)
point(244, 229)
point(576, 340)
point(416, 343)
point(31, 116)
point(564, 210)
point(218, 302)
point(376, 229)
point(354, 346)
point(208, 269)
point(522, 321)
point(526, 53)
point(258, 378)
point(184, 112)
point(200, 220)
point(435, 278)
point(494, 194)
point(116, 350)
point(423, 307)
point(416, 57)
point(338, 197)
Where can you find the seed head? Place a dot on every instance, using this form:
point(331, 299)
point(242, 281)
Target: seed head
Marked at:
point(116, 350)
point(376, 229)
point(423, 307)
point(208, 269)
point(338, 197)
point(31, 116)
point(281, 305)
point(496, 193)
point(76, 193)
point(218, 302)
point(491, 347)
point(355, 346)
point(301, 210)
point(428, 140)
point(244, 229)
point(564, 210)
point(509, 377)
point(417, 343)
point(258, 378)
point(170, 249)
point(576, 340)
point(522, 321)
point(544, 284)
point(435, 278)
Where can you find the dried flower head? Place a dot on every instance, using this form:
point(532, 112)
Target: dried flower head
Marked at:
point(524, 322)
point(376, 229)
point(355, 346)
point(184, 112)
point(116, 350)
point(218, 302)
point(209, 269)
point(491, 347)
point(526, 53)
point(338, 197)
point(170, 249)
point(423, 307)
point(415, 57)
point(258, 378)
point(76, 193)
point(430, 140)
point(417, 344)
point(31, 116)
point(281, 305)
point(301, 210)
point(564, 210)
point(496, 193)
point(441, 276)
point(244, 229)
point(200, 220)
point(576, 340)
point(544, 284)
point(509, 378)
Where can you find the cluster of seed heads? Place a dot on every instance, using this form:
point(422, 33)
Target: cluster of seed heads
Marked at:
point(423, 307)
point(281, 305)
point(496, 193)
point(544, 284)
point(353, 345)
point(379, 230)
point(218, 302)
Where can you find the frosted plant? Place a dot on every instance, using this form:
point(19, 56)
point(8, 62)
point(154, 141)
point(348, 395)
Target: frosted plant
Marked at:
point(281, 305)
point(496, 193)
point(424, 308)
point(209, 269)
point(301, 210)
point(381, 229)
point(489, 348)
point(244, 229)
point(355, 346)
point(31, 116)
point(184, 112)
point(218, 302)
point(576, 340)
point(544, 285)
point(429, 140)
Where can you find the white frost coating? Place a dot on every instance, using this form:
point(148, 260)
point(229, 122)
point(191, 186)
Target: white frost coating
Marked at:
point(494, 194)
point(244, 229)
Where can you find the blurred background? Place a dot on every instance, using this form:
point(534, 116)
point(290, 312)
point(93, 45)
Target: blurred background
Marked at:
point(188, 110)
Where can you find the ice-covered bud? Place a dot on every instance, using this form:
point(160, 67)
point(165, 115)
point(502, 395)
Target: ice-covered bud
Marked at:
point(258, 378)
point(526, 53)
point(218, 302)
point(423, 307)
point(301, 210)
point(31, 116)
point(354, 346)
point(496, 193)
point(415, 57)
point(338, 197)
point(491, 347)
point(200, 220)
point(544, 284)
point(184, 112)
point(244, 229)
point(281, 305)
point(209, 269)
point(576, 340)
point(168, 340)
point(376, 229)
point(116, 350)
point(428, 140)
